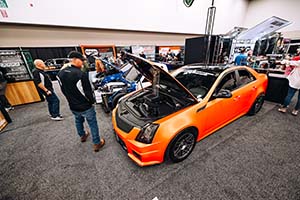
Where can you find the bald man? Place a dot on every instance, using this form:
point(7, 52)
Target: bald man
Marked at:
point(44, 84)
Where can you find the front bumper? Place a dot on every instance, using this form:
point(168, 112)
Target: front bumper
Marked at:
point(142, 154)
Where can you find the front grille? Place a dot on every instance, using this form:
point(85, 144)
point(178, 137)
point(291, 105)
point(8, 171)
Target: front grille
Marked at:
point(123, 124)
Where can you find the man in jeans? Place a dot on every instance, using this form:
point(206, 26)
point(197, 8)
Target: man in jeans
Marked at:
point(77, 89)
point(44, 85)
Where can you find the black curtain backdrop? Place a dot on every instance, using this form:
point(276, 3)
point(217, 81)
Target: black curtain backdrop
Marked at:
point(45, 53)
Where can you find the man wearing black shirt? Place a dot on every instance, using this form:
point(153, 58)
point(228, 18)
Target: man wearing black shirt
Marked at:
point(44, 85)
point(76, 87)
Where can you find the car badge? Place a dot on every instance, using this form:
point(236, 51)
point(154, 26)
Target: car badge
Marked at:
point(188, 3)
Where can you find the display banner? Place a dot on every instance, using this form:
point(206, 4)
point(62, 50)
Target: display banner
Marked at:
point(148, 50)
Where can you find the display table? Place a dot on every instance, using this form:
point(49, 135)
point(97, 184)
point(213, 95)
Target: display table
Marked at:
point(277, 84)
point(23, 92)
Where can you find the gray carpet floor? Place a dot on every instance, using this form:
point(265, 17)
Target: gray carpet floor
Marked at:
point(252, 158)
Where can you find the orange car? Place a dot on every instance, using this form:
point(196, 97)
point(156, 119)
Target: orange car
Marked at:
point(165, 120)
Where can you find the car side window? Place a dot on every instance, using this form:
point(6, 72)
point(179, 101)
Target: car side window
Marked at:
point(245, 77)
point(228, 82)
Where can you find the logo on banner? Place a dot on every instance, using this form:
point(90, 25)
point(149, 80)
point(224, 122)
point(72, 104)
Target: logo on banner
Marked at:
point(3, 4)
point(91, 52)
point(188, 3)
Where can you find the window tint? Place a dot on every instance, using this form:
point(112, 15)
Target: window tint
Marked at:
point(197, 82)
point(228, 82)
point(245, 77)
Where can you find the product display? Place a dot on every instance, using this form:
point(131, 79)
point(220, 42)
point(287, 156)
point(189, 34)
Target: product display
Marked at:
point(167, 119)
point(15, 66)
point(20, 88)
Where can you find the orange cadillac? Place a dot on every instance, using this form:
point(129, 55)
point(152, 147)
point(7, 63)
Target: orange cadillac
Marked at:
point(165, 120)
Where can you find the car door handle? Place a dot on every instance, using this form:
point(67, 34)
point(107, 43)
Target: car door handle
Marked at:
point(254, 88)
point(202, 108)
point(237, 98)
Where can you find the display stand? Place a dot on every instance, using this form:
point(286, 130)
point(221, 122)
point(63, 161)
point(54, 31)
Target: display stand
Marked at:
point(277, 85)
point(22, 93)
point(20, 87)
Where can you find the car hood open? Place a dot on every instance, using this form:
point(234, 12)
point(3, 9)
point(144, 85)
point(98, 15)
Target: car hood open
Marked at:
point(147, 69)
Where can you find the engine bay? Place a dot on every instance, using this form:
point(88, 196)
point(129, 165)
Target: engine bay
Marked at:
point(146, 104)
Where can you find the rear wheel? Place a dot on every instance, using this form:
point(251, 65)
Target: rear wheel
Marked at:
point(182, 146)
point(257, 105)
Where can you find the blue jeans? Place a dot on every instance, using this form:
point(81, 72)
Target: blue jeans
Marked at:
point(290, 95)
point(90, 116)
point(53, 104)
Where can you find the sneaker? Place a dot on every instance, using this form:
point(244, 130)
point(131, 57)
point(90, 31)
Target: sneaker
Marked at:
point(97, 147)
point(9, 108)
point(283, 110)
point(86, 135)
point(295, 112)
point(58, 118)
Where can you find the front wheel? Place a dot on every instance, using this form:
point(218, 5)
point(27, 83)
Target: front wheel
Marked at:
point(257, 105)
point(182, 146)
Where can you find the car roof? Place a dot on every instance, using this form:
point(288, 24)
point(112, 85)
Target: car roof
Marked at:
point(215, 70)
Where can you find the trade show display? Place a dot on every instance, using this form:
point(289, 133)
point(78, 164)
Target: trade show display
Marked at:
point(102, 51)
point(20, 88)
point(53, 66)
point(149, 123)
point(145, 51)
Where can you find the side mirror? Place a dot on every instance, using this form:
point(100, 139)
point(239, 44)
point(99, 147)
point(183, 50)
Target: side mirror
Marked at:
point(223, 94)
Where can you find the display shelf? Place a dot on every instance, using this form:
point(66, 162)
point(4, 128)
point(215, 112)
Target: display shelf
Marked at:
point(14, 65)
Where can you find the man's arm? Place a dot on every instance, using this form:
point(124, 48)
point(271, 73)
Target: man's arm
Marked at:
point(38, 79)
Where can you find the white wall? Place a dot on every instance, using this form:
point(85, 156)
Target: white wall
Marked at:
point(46, 36)
point(145, 15)
point(260, 10)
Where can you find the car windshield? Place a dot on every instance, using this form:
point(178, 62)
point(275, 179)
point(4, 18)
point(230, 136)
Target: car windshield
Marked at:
point(132, 75)
point(196, 81)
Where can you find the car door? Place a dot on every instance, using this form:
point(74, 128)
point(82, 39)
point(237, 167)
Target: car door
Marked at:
point(220, 110)
point(247, 90)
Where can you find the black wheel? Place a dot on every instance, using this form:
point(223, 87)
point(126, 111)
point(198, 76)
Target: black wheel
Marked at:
point(116, 99)
point(257, 105)
point(182, 146)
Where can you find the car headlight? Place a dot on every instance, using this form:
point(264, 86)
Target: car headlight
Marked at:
point(147, 133)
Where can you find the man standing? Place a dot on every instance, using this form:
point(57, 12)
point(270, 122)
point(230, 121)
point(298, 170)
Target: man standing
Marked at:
point(241, 59)
point(44, 84)
point(76, 87)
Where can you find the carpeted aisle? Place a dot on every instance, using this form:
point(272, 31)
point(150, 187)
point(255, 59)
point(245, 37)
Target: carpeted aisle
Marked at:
point(253, 158)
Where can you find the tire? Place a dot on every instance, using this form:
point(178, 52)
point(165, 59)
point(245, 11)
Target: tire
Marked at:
point(257, 105)
point(182, 145)
point(116, 99)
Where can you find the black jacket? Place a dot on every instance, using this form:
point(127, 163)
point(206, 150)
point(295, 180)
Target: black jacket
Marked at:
point(76, 87)
point(39, 76)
